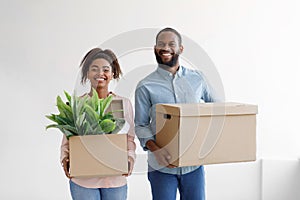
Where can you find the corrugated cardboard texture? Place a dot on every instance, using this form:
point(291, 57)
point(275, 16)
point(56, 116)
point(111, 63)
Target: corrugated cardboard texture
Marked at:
point(207, 139)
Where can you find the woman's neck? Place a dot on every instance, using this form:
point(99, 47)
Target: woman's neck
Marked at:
point(102, 93)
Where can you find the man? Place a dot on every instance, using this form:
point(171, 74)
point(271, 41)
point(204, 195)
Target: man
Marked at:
point(169, 83)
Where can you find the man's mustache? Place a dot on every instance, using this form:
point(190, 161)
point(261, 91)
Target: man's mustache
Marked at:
point(165, 51)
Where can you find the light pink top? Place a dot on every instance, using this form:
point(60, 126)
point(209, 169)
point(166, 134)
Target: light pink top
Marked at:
point(112, 181)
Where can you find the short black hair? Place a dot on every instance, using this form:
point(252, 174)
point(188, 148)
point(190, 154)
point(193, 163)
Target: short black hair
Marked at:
point(168, 29)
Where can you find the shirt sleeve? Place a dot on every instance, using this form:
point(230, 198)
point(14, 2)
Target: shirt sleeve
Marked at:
point(209, 93)
point(129, 117)
point(142, 116)
point(64, 148)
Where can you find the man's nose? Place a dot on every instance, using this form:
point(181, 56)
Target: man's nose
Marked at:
point(165, 47)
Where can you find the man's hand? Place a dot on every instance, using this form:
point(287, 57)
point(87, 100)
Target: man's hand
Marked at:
point(162, 155)
point(66, 167)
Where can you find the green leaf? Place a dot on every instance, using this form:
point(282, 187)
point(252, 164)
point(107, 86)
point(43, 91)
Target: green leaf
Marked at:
point(101, 112)
point(51, 117)
point(80, 106)
point(74, 104)
point(67, 127)
point(106, 102)
point(85, 129)
point(91, 115)
point(64, 120)
point(60, 105)
point(52, 126)
point(69, 98)
point(120, 122)
point(94, 99)
point(63, 108)
point(66, 132)
point(108, 116)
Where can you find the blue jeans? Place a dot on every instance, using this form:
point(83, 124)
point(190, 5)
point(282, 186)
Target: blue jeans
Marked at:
point(191, 186)
point(81, 193)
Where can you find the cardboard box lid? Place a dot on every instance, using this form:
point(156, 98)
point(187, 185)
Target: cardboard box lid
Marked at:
point(117, 105)
point(207, 109)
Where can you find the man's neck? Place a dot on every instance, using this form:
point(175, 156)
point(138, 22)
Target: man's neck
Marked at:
point(172, 70)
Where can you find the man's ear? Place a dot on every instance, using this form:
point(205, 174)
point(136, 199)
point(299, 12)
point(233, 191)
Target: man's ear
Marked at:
point(181, 49)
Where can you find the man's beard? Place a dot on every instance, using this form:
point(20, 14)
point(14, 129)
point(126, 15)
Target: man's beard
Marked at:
point(171, 63)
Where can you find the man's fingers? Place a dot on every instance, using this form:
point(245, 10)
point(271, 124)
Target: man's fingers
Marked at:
point(171, 166)
point(164, 161)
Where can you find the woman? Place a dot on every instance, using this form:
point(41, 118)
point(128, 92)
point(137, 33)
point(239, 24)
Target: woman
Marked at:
point(99, 67)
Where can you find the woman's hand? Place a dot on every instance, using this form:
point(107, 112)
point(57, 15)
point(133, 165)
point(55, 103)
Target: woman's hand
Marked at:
point(130, 166)
point(65, 164)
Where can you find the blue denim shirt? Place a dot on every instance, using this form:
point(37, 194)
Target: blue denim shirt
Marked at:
point(161, 86)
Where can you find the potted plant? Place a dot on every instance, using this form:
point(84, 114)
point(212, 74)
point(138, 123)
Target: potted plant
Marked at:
point(85, 116)
point(90, 126)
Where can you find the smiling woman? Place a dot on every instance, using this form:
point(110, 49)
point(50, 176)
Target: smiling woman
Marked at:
point(100, 73)
point(98, 68)
point(108, 58)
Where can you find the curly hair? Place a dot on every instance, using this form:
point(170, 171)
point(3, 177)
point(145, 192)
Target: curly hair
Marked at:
point(97, 53)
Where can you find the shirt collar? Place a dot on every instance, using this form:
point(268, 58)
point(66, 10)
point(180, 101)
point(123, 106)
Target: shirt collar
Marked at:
point(166, 73)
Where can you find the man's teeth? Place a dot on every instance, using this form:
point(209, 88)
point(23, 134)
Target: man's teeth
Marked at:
point(166, 54)
point(100, 79)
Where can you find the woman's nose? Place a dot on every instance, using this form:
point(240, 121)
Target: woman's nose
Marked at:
point(100, 71)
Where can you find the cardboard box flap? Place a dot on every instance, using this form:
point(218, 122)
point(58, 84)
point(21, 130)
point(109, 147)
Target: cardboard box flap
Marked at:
point(117, 105)
point(206, 109)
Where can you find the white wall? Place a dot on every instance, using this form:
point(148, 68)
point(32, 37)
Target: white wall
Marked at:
point(254, 45)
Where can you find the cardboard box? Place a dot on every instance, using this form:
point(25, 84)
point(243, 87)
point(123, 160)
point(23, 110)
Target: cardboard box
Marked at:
point(207, 133)
point(99, 155)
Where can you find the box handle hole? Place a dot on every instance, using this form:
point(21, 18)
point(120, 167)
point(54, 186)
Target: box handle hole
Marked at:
point(167, 116)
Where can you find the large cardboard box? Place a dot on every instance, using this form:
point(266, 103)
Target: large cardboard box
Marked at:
point(99, 155)
point(207, 133)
